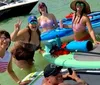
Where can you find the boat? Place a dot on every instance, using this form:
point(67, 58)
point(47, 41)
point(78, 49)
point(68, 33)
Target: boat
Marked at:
point(15, 8)
point(80, 60)
point(88, 75)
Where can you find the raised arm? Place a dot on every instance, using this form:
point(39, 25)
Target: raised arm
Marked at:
point(16, 34)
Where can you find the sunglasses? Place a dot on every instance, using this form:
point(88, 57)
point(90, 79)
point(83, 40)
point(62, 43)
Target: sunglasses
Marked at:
point(80, 4)
point(5, 38)
point(33, 22)
point(41, 6)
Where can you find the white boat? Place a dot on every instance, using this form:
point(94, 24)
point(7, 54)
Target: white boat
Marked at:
point(14, 8)
point(88, 75)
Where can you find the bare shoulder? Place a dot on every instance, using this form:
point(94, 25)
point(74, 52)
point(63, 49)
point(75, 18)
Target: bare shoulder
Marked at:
point(85, 17)
point(39, 18)
point(52, 15)
point(23, 31)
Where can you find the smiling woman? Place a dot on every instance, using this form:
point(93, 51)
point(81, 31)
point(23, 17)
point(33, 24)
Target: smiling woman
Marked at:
point(5, 56)
point(27, 41)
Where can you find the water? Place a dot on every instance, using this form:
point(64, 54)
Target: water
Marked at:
point(59, 8)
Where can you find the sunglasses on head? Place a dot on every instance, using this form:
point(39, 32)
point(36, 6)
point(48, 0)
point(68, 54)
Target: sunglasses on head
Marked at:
point(80, 4)
point(41, 6)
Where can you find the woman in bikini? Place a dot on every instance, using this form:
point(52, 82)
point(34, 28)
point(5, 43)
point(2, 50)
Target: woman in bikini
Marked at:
point(80, 21)
point(27, 41)
point(47, 20)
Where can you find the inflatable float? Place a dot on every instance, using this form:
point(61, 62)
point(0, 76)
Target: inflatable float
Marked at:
point(83, 55)
point(64, 32)
point(68, 16)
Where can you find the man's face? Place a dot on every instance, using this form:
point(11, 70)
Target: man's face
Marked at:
point(55, 80)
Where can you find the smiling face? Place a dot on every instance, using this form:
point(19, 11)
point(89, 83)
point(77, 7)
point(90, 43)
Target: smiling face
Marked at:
point(55, 79)
point(4, 39)
point(33, 26)
point(80, 6)
point(42, 8)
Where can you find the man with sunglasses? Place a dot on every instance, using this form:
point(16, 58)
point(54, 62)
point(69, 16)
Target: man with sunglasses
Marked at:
point(53, 76)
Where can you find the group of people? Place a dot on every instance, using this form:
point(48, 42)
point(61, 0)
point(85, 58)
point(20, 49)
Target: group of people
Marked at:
point(28, 40)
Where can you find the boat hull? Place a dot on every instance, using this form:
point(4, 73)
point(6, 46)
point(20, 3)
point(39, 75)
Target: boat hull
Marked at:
point(16, 10)
point(79, 60)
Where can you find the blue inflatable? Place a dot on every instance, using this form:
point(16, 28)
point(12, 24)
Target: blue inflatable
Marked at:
point(61, 32)
point(50, 43)
point(83, 46)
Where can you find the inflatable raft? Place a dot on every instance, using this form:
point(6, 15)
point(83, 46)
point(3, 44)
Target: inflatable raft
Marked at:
point(64, 32)
point(83, 54)
point(80, 60)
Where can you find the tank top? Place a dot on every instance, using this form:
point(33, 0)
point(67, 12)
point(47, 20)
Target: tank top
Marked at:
point(5, 61)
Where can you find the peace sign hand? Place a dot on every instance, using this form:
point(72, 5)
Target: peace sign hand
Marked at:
point(17, 25)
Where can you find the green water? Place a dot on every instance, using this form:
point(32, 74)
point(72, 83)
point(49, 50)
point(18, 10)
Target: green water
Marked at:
point(59, 8)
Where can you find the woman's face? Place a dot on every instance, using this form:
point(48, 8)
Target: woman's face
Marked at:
point(4, 41)
point(42, 8)
point(79, 6)
point(33, 26)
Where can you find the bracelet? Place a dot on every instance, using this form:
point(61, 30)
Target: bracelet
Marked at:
point(18, 82)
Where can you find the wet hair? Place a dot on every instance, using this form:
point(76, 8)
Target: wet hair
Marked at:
point(42, 4)
point(6, 34)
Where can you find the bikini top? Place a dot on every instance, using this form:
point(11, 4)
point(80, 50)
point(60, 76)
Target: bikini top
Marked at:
point(46, 24)
point(78, 27)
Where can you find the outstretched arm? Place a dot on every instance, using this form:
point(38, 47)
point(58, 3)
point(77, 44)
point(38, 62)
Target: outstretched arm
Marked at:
point(91, 31)
point(64, 25)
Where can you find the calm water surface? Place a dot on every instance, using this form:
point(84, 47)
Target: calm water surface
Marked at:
point(59, 8)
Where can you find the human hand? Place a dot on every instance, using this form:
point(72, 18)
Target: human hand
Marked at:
point(61, 24)
point(17, 25)
point(41, 51)
point(25, 82)
point(96, 42)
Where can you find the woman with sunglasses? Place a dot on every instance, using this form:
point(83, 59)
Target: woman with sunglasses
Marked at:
point(5, 57)
point(80, 21)
point(47, 20)
point(27, 41)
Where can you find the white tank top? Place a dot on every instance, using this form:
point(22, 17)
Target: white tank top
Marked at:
point(5, 61)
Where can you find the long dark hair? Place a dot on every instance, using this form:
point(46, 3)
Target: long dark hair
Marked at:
point(42, 4)
point(30, 32)
point(83, 11)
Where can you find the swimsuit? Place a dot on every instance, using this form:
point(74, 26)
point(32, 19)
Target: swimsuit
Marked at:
point(80, 27)
point(5, 61)
point(47, 24)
